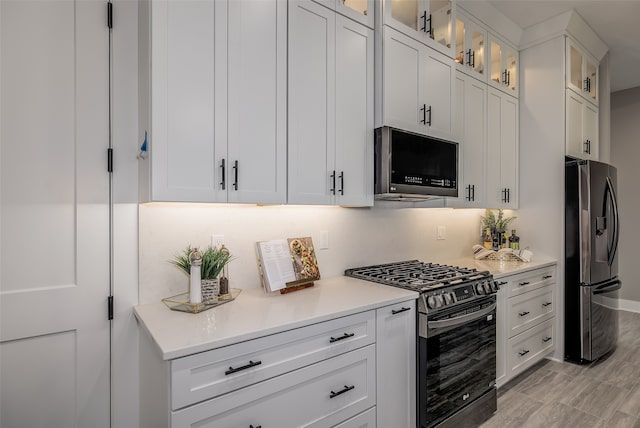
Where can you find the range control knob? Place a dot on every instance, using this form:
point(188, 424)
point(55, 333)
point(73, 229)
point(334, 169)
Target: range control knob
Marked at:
point(431, 302)
point(487, 287)
point(448, 298)
point(439, 301)
point(494, 286)
point(479, 288)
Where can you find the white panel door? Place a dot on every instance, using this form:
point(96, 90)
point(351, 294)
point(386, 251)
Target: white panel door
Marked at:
point(354, 113)
point(494, 135)
point(185, 97)
point(257, 79)
point(509, 149)
point(590, 130)
point(54, 271)
point(575, 144)
point(401, 96)
point(311, 145)
point(436, 89)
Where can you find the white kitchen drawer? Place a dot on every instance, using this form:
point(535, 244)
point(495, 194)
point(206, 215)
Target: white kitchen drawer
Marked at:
point(301, 398)
point(527, 348)
point(529, 309)
point(206, 375)
point(528, 281)
point(363, 420)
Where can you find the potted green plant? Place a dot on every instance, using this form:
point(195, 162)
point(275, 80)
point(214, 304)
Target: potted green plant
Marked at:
point(214, 259)
point(497, 224)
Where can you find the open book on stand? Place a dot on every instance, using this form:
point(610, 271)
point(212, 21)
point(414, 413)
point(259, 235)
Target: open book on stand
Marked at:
point(287, 263)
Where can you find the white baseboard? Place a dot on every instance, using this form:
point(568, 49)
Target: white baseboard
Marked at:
point(629, 305)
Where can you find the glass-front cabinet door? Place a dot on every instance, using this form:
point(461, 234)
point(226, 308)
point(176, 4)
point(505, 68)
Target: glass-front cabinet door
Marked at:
point(428, 21)
point(503, 66)
point(470, 47)
point(582, 72)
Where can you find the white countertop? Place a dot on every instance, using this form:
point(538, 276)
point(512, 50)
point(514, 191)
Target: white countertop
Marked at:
point(256, 313)
point(500, 269)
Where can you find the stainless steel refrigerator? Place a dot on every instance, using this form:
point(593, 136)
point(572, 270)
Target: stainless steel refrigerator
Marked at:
point(592, 231)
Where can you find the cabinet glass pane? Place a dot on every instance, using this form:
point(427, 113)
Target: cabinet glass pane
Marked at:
point(441, 21)
point(512, 69)
point(460, 55)
point(477, 46)
point(496, 62)
point(359, 6)
point(592, 75)
point(406, 12)
point(575, 58)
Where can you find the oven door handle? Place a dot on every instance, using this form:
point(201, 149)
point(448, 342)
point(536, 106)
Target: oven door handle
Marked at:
point(452, 322)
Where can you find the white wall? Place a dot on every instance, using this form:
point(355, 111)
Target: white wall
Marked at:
point(357, 237)
point(625, 152)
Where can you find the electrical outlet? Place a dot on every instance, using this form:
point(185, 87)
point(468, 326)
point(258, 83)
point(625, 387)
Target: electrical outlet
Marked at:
point(324, 240)
point(441, 233)
point(217, 241)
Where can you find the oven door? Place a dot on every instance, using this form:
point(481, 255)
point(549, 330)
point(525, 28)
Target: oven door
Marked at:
point(456, 360)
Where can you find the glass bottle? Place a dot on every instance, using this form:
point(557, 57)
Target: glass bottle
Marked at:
point(514, 241)
point(487, 240)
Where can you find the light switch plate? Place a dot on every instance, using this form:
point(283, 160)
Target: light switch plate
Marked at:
point(217, 241)
point(441, 233)
point(324, 240)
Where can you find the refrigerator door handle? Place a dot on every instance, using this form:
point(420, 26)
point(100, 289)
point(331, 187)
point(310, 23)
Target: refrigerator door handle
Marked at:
point(616, 226)
point(608, 287)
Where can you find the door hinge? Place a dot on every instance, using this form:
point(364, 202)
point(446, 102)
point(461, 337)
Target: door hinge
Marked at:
point(110, 308)
point(110, 15)
point(109, 160)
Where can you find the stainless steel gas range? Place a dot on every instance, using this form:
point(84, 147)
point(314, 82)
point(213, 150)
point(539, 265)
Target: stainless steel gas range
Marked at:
point(456, 341)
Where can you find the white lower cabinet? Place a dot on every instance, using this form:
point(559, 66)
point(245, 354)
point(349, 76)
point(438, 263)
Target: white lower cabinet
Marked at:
point(526, 315)
point(323, 374)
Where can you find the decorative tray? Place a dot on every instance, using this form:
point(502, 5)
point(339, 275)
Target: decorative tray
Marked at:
point(181, 302)
point(503, 256)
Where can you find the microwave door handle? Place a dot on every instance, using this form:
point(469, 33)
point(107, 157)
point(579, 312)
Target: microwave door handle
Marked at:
point(453, 322)
point(616, 220)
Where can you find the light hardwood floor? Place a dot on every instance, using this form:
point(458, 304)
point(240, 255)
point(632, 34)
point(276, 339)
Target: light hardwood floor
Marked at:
point(603, 394)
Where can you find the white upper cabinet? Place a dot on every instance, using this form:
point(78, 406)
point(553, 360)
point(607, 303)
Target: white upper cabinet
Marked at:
point(417, 86)
point(582, 72)
point(330, 108)
point(428, 21)
point(581, 128)
point(503, 66)
point(470, 129)
point(215, 112)
point(470, 47)
point(502, 150)
point(361, 11)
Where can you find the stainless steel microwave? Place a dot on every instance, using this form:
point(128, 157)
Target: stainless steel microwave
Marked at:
point(413, 167)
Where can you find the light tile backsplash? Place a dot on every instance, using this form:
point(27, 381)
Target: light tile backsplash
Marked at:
point(357, 237)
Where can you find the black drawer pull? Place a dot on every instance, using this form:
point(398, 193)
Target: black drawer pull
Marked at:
point(523, 313)
point(248, 366)
point(393, 311)
point(523, 353)
point(502, 283)
point(344, 336)
point(251, 426)
point(546, 304)
point(342, 391)
point(547, 276)
point(525, 283)
point(546, 339)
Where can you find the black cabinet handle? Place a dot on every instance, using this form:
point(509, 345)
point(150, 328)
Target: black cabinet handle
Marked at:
point(504, 76)
point(473, 192)
point(508, 195)
point(235, 175)
point(342, 391)
point(344, 336)
point(247, 366)
point(523, 353)
point(342, 182)
point(546, 339)
point(424, 27)
point(508, 78)
point(223, 183)
point(502, 283)
point(523, 313)
point(505, 197)
point(333, 182)
point(251, 426)
point(403, 309)
point(524, 283)
point(473, 59)
point(546, 304)
point(468, 198)
point(547, 276)
point(428, 122)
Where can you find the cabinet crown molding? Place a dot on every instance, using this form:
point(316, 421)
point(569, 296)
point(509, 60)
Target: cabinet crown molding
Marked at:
point(567, 23)
point(494, 20)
